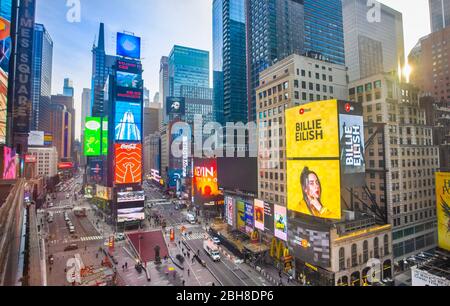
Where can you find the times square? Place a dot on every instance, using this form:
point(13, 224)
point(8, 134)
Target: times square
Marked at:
point(236, 147)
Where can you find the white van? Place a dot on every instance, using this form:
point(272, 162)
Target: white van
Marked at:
point(191, 218)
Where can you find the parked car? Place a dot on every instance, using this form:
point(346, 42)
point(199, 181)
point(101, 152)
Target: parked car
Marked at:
point(71, 247)
point(72, 229)
point(50, 205)
point(120, 236)
point(216, 240)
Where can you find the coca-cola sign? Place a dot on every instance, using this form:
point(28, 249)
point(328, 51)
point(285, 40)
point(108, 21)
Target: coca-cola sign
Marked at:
point(128, 164)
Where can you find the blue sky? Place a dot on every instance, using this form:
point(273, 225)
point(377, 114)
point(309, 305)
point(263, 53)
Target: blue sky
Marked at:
point(161, 24)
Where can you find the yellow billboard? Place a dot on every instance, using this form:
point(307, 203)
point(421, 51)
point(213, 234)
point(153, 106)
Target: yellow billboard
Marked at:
point(313, 188)
point(312, 130)
point(443, 209)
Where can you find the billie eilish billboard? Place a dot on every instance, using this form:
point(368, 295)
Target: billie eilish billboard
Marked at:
point(443, 209)
point(325, 149)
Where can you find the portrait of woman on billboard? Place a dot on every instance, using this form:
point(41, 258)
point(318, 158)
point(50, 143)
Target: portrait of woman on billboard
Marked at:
point(312, 193)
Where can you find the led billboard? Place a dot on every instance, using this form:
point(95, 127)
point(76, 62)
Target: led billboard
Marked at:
point(128, 45)
point(268, 217)
point(240, 217)
point(95, 170)
point(204, 182)
point(229, 210)
point(130, 214)
point(36, 138)
point(128, 163)
point(104, 193)
point(249, 219)
point(175, 175)
point(259, 214)
point(175, 106)
point(65, 165)
point(280, 222)
point(129, 80)
point(92, 136)
point(312, 130)
point(105, 136)
point(351, 134)
point(443, 209)
point(128, 123)
point(130, 196)
point(9, 163)
point(5, 55)
point(310, 242)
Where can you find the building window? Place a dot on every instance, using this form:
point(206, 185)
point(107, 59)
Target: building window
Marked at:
point(386, 245)
point(354, 255)
point(376, 248)
point(365, 251)
point(341, 259)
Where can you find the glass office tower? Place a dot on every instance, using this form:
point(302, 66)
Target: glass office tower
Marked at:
point(324, 30)
point(229, 60)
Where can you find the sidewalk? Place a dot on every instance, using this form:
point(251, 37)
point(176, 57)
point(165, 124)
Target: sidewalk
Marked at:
point(34, 273)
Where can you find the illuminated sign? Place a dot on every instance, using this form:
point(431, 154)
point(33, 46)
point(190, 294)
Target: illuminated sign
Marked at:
point(174, 177)
point(92, 136)
point(104, 193)
point(89, 192)
point(130, 214)
point(9, 163)
point(175, 106)
point(129, 94)
point(259, 214)
point(325, 149)
point(130, 196)
point(5, 56)
point(105, 137)
point(128, 163)
point(229, 210)
point(249, 220)
point(204, 182)
point(30, 159)
point(128, 124)
point(65, 165)
point(128, 45)
point(134, 67)
point(310, 242)
point(48, 139)
point(36, 138)
point(154, 175)
point(129, 80)
point(96, 170)
point(280, 222)
point(240, 207)
point(268, 217)
point(443, 209)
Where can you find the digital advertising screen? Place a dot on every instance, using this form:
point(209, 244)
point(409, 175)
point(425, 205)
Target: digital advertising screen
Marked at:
point(92, 136)
point(259, 214)
point(105, 136)
point(229, 210)
point(130, 196)
point(130, 66)
point(310, 242)
point(443, 209)
point(247, 167)
point(128, 45)
point(268, 217)
point(313, 188)
point(9, 163)
point(351, 133)
point(129, 80)
point(65, 165)
point(36, 138)
point(130, 214)
point(204, 182)
point(249, 218)
point(5, 55)
point(95, 170)
point(175, 106)
point(174, 176)
point(129, 94)
point(128, 163)
point(280, 222)
point(312, 130)
point(240, 216)
point(104, 193)
point(128, 123)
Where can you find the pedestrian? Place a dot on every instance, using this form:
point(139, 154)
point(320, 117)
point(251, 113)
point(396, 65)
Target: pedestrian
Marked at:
point(189, 273)
point(123, 268)
point(184, 282)
point(126, 265)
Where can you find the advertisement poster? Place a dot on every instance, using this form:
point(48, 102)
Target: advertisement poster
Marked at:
point(174, 176)
point(351, 133)
point(129, 80)
point(36, 138)
point(280, 222)
point(5, 55)
point(310, 242)
point(92, 136)
point(128, 163)
point(240, 207)
point(130, 214)
point(128, 125)
point(128, 46)
point(96, 170)
point(259, 214)
point(9, 164)
point(312, 130)
point(104, 193)
point(268, 218)
point(314, 188)
point(204, 182)
point(229, 206)
point(105, 137)
point(130, 196)
point(175, 106)
point(249, 219)
point(443, 209)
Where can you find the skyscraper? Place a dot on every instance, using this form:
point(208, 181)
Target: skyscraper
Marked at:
point(372, 46)
point(85, 112)
point(187, 66)
point(101, 69)
point(69, 123)
point(324, 30)
point(439, 14)
point(42, 78)
point(163, 86)
point(229, 61)
point(275, 30)
point(68, 88)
